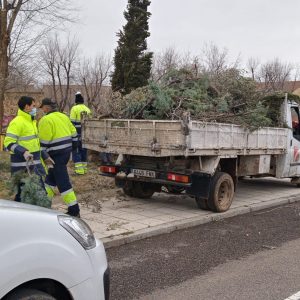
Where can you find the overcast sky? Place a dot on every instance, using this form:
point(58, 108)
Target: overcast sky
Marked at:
point(259, 28)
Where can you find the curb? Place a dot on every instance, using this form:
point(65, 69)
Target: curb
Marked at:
point(192, 222)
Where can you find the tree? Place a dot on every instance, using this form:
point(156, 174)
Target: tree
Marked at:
point(132, 62)
point(170, 60)
point(59, 61)
point(274, 74)
point(17, 17)
point(93, 74)
point(252, 65)
point(215, 60)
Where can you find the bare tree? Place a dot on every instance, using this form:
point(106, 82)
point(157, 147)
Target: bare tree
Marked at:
point(252, 65)
point(215, 60)
point(164, 62)
point(59, 60)
point(275, 73)
point(93, 75)
point(17, 17)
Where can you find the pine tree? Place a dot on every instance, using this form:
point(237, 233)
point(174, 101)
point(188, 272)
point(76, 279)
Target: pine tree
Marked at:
point(132, 61)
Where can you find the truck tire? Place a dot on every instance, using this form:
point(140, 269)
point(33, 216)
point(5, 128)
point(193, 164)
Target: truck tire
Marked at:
point(139, 189)
point(29, 294)
point(202, 203)
point(221, 192)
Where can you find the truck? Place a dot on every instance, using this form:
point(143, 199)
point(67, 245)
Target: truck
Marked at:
point(202, 159)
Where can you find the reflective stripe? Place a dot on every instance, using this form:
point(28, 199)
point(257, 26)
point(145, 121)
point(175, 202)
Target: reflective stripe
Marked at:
point(43, 148)
point(24, 164)
point(56, 140)
point(28, 138)
point(12, 135)
point(75, 139)
point(72, 203)
point(78, 126)
point(59, 147)
point(69, 198)
point(66, 192)
point(13, 147)
point(49, 191)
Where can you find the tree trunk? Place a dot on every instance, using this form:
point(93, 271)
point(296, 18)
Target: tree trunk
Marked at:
point(4, 41)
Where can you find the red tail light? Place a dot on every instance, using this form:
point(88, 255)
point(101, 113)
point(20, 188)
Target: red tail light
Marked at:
point(178, 178)
point(108, 169)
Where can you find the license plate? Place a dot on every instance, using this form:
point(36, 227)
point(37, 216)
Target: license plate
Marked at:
point(143, 173)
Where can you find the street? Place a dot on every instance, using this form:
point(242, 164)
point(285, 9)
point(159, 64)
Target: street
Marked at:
point(253, 256)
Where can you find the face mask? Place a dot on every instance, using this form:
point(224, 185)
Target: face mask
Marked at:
point(33, 112)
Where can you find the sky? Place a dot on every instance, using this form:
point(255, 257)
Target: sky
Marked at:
point(263, 29)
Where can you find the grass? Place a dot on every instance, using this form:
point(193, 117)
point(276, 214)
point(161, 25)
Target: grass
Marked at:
point(90, 187)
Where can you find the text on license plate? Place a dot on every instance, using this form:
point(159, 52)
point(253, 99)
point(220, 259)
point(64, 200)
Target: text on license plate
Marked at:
point(143, 173)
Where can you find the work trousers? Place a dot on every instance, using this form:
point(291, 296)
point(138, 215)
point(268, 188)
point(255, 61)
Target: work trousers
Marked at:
point(79, 157)
point(58, 177)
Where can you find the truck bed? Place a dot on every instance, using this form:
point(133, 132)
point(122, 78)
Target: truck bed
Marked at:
point(161, 138)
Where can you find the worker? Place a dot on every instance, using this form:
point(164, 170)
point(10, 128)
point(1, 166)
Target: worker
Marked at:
point(80, 156)
point(22, 141)
point(58, 137)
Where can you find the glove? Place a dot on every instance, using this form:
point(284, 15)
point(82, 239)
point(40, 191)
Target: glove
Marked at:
point(28, 156)
point(49, 162)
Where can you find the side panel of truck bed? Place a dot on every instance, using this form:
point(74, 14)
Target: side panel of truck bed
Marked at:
point(174, 138)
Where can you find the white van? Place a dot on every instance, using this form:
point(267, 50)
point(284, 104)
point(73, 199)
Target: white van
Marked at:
point(47, 255)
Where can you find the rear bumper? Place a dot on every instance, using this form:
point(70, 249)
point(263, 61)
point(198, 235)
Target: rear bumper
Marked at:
point(161, 177)
point(198, 185)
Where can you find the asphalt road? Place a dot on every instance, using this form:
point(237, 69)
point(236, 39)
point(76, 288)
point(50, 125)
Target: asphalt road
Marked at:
point(253, 256)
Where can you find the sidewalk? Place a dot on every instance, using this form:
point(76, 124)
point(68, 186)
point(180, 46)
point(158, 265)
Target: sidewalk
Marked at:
point(120, 219)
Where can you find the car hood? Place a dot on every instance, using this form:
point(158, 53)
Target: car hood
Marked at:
point(18, 205)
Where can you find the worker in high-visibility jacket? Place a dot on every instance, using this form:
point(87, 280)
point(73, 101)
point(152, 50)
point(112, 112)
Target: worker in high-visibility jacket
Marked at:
point(58, 137)
point(22, 141)
point(80, 155)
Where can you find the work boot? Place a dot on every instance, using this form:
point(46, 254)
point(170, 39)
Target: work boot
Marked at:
point(84, 166)
point(79, 169)
point(74, 211)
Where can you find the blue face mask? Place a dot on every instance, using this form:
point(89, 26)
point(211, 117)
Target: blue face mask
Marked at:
point(33, 112)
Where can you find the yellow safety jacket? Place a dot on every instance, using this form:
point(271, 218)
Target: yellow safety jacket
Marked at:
point(21, 136)
point(75, 115)
point(57, 134)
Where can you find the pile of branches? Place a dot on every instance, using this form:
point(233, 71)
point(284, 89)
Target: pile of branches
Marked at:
point(226, 97)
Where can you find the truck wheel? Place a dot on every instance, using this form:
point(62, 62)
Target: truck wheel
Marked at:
point(221, 192)
point(138, 189)
point(29, 294)
point(202, 203)
point(127, 189)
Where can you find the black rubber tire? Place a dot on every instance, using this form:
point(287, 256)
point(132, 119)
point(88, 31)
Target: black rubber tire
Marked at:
point(221, 192)
point(143, 190)
point(29, 294)
point(202, 203)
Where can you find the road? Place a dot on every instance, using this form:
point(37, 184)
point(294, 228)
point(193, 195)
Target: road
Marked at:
point(253, 256)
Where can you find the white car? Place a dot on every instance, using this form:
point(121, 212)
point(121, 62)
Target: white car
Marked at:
point(47, 255)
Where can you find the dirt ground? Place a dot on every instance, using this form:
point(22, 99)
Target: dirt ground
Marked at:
point(88, 187)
